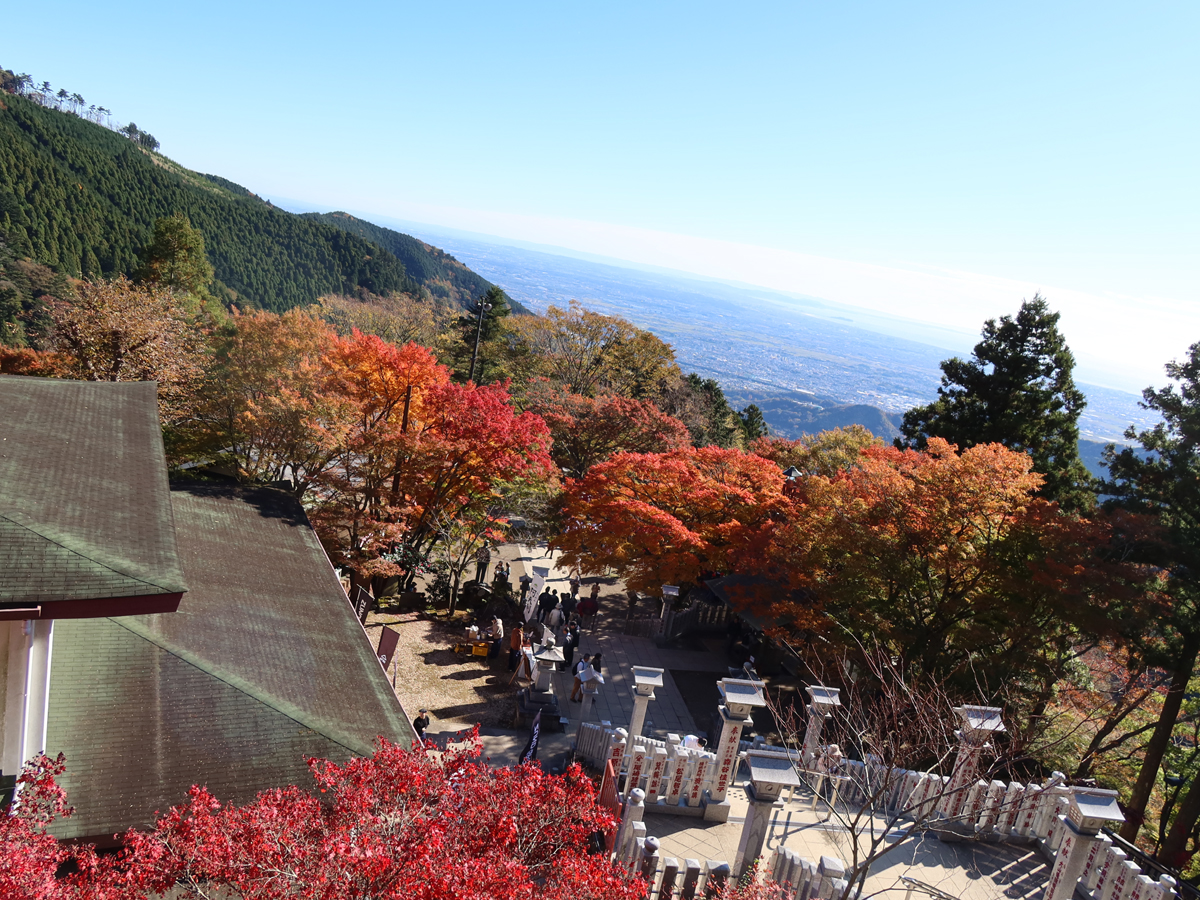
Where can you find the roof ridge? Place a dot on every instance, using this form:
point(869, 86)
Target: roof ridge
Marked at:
point(268, 699)
point(168, 589)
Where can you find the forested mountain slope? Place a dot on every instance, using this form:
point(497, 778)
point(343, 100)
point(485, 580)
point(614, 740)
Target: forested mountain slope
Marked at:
point(437, 271)
point(83, 200)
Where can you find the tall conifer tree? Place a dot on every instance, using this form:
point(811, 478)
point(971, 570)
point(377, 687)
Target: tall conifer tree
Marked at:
point(1016, 390)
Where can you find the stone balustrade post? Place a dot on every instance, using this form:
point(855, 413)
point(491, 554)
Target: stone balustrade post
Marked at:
point(1089, 811)
point(691, 879)
point(649, 865)
point(635, 808)
point(670, 874)
point(718, 877)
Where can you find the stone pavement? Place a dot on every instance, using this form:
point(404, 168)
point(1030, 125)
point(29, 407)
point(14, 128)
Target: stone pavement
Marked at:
point(619, 653)
point(971, 871)
point(967, 870)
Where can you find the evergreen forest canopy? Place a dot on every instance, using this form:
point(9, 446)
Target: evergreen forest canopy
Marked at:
point(437, 271)
point(77, 199)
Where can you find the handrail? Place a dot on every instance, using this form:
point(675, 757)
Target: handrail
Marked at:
point(1148, 864)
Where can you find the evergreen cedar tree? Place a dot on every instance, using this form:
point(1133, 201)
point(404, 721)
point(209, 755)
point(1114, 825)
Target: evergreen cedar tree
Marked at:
point(1163, 479)
point(948, 559)
point(175, 258)
point(1017, 390)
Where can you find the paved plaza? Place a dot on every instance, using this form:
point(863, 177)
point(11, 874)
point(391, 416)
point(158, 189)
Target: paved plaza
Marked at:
point(969, 870)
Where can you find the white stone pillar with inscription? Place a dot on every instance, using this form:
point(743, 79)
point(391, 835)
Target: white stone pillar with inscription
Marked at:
point(822, 702)
point(645, 680)
point(979, 724)
point(740, 696)
point(1090, 810)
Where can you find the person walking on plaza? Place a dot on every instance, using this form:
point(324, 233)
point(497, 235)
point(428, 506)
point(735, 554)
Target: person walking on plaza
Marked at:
point(577, 685)
point(526, 581)
point(569, 604)
point(574, 582)
point(515, 637)
point(570, 642)
point(589, 606)
point(483, 558)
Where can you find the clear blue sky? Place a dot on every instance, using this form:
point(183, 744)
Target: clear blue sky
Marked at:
point(995, 149)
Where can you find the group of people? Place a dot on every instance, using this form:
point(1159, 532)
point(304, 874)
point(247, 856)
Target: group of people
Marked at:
point(556, 610)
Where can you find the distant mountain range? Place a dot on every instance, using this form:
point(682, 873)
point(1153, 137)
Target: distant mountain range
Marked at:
point(808, 364)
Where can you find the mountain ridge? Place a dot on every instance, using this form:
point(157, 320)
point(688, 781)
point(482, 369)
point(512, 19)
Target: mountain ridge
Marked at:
point(82, 200)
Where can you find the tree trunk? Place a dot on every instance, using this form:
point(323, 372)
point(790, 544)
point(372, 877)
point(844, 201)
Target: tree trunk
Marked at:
point(454, 594)
point(1135, 811)
point(1173, 851)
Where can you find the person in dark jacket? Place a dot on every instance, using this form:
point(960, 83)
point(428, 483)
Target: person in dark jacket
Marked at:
point(546, 602)
point(420, 723)
point(569, 644)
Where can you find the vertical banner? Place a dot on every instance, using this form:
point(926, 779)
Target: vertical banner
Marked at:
point(529, 754)
point(362, 603)
point(388, 640)
point(540, 574)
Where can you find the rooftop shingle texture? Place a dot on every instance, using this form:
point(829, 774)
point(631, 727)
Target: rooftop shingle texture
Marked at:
point(85, 508)
point(263, 666)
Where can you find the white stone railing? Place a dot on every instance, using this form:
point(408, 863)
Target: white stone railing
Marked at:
point(675, 778)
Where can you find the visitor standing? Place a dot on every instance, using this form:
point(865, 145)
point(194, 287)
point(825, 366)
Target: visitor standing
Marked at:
point(483, 559)
point(546, 602)
point(576, 685)
point(515, 639)
point(420, 723)
point(570, 642)
point(568, 604)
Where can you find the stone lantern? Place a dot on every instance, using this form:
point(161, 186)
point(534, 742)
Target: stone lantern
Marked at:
point(741, 697)
point(548, 658)
point(1091, 809)
point(822, 702)
point(645, 680)
point(670, 593)
point(979, 725)
point(769, 775)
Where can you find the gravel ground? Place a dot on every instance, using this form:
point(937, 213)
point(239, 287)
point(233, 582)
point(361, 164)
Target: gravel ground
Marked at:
point(459, 689)
point(453, 687)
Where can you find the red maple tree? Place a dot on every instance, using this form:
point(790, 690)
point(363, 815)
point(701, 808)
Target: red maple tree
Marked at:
point(400, 824)
point(589, 430)
point(666, 518)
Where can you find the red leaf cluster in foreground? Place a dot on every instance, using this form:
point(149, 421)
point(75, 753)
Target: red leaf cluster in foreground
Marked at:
point(396, 825)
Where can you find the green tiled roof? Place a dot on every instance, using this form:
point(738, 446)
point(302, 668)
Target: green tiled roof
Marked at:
point(85, 509)
point(263, 665)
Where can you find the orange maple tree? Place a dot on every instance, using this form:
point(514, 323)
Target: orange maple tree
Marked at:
point(949, 560)
point(670, 517)
point(264, 404)
point(417, 450)
point(589, 430)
